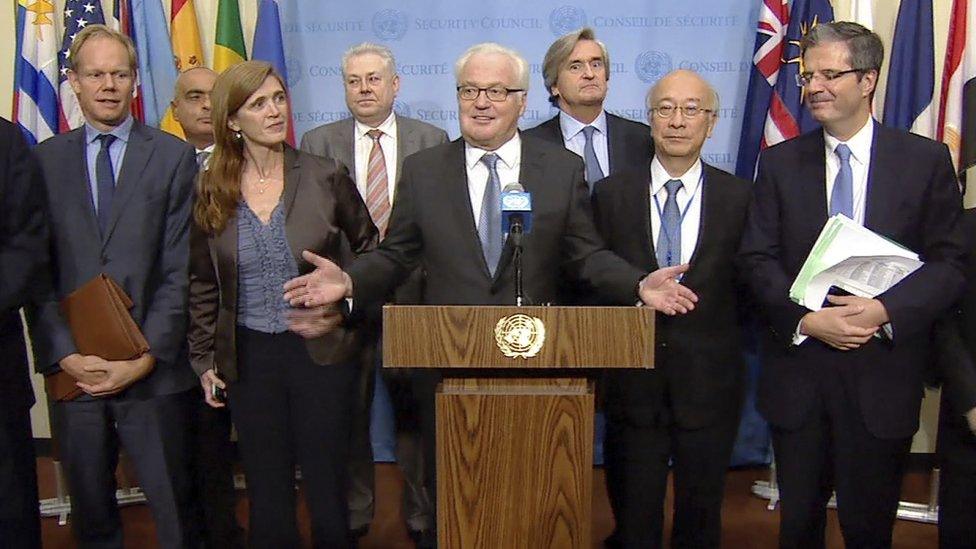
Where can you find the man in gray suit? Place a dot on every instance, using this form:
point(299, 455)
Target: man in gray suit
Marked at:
point(372, 144)
point(119, 197)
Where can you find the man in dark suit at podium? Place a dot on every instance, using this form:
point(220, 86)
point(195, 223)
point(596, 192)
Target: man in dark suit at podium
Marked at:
point(576, 71)
point(842, 386)
point(23, 261)
point(447, 218)
point(671, 210)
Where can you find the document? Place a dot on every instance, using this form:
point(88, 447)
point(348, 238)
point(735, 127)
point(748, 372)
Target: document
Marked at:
point(854, 259)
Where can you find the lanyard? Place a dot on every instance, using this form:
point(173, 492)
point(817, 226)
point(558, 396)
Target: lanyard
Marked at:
point(681, 214)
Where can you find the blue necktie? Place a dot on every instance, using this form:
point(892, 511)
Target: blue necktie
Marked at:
point(842, 195)
point(668, 249)
point(593, 171)
point(105, 181)
point(490, 220)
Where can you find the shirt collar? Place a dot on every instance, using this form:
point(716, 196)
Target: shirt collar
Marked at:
point(208, 149)
point(388, 127)
point(570, 126)
point(689, 180)
point(509, 153)
point(121, 132)
point(859, 143)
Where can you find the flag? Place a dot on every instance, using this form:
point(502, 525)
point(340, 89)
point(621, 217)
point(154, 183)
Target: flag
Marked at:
point(187, 51)
point(268, 46)
point(35, 107)
point(774, 103)
point(121, 20)
point(957, 112)
point(157, 69)
point(911, 76)
point(229, 40)
point(77, 15)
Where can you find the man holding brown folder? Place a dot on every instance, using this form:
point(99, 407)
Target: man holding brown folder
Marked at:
point(119, 195)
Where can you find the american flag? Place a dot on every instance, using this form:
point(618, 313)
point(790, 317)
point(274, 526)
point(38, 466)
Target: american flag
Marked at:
point(77, 15)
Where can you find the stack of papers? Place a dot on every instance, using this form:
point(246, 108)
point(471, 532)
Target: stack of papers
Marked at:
point(854, 259)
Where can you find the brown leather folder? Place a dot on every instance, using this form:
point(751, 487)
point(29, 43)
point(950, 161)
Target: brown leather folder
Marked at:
point(98, 315)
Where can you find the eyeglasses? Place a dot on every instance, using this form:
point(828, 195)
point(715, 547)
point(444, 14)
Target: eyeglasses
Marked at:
point(689, 111)
point(495, 94)
point(805, 78)
point(577, 67)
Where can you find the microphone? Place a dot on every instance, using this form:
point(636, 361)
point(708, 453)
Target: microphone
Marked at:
point(516, 208)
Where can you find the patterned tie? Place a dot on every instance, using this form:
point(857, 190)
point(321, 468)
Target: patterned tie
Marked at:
point(593, 171)
point(842, 195)
point(105, 181)
point(377, 191)
point(202, 157)
point(490, 220)
point(668, 249)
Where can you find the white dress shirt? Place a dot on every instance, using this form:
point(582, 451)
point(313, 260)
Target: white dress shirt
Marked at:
point(575, 140)
point(508, 167)
point(860, 145)
point(689, 204)
point(364, 144)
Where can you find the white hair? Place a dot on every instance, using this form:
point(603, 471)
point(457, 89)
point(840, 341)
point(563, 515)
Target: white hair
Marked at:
point(519, 63)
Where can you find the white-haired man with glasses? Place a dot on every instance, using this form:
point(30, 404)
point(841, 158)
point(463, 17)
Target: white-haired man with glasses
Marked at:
point(842, 386)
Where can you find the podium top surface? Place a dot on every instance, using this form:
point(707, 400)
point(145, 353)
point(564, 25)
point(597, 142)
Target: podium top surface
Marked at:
point(484, 336)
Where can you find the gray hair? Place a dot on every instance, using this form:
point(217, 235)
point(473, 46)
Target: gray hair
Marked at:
point(519, 63)
point(864, 47)
point(559, 52)
point(712, 92)
point(369, 47)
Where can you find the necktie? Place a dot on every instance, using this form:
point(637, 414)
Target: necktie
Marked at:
point(842, 195)
point(202, 157)
point(377, 191)
point(105, 181)
point(593, 171)
point(668, 249)
point(490, 220)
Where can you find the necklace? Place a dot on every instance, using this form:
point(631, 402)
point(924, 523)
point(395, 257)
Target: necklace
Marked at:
point(263, 177)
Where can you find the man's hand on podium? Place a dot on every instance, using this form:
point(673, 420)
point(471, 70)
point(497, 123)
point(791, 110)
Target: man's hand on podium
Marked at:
point(326, 285)
point(662, 291)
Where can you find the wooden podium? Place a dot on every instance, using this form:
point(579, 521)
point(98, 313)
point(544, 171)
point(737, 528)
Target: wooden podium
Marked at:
point(515, 412)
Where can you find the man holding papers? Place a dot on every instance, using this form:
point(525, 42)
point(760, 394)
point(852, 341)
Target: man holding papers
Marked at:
point(843, 403)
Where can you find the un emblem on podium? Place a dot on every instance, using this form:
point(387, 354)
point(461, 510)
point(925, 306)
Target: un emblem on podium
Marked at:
point(520, 336)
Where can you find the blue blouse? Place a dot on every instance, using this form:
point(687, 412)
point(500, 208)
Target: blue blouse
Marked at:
point(264, 264)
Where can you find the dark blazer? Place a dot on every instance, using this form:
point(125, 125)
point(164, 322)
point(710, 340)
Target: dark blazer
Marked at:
point(912, 198)
point(629, 143)
point(145, 251)
point(432, 226)
point(23, 259)
point(699, 354)
point(321, 204)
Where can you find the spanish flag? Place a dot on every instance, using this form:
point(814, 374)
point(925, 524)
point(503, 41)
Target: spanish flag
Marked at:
point(187, 51)
point(229, 41)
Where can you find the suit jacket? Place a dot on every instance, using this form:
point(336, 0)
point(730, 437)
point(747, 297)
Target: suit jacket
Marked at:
point(23, 260)
point(912, 198)
point(321, 203)
point(699, 357)
point(337, 140)
point(629, 143)
point(145, 249)
point(432, 226)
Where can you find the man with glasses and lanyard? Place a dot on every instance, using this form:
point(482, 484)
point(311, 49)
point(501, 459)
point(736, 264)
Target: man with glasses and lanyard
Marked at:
point(671, 210)
point(842, 386)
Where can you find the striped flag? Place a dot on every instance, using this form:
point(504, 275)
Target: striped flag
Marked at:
point(268, 46)
point(957, 112)
point(122, 21)
point(774, 104)
point(911, 76)
point(35, 107)
point(187, 50)
point(77, 15)
point(229, 40)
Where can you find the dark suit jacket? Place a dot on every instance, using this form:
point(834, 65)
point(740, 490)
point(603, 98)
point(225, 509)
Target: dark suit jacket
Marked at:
point(432, 225)
point(912, 198)
point(145, 251)
point(699, 360)
point(23, 260)
point(321, 204)
point(629, 143)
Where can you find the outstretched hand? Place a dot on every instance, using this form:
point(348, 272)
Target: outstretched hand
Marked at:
point(662, 291)
point(326, 285)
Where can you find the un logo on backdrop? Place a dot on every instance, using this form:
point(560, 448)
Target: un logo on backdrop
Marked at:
point(651, 65)
point(401, 108)
point(566, 19)
point(389, 24)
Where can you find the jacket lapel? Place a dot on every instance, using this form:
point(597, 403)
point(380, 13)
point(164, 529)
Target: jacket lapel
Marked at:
point(293, 180)
point(225, 249)
point(880, 200)
point(138, 152)
point(809, 182)
point(343, 146)
point(77, 163)
point(405, 142)
point(456, 183)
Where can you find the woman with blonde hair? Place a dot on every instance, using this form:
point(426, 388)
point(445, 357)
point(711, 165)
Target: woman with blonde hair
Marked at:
point(289, 373)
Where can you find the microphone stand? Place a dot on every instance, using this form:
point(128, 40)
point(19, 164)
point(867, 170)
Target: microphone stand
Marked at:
point(515, 232)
